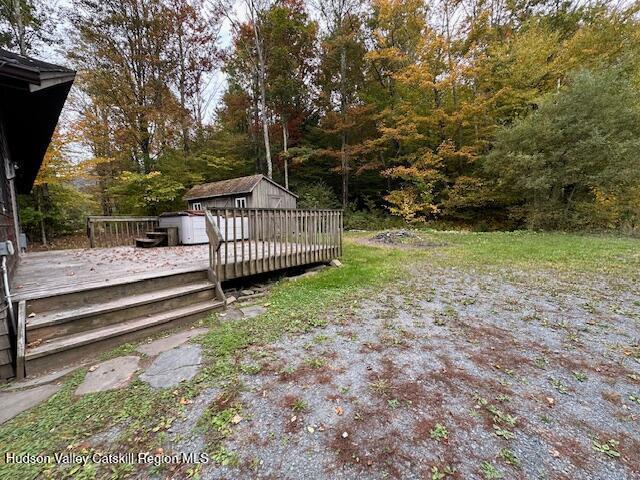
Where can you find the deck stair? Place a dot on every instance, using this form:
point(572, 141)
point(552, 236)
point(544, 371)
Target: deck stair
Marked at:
point(71, 327)
point(160, 237)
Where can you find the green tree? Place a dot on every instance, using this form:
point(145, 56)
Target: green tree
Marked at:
point(25, 24)
point(146, 194)
point(578, 151)
point(290, 40)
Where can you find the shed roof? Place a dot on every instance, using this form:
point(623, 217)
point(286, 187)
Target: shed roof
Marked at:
point(233, 186)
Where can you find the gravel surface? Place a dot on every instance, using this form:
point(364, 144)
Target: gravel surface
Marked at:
point(480, 374)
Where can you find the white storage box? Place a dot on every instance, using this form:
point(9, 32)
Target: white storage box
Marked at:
point(192, 229)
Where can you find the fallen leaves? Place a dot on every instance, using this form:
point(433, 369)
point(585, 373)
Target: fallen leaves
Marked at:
point(236, 419)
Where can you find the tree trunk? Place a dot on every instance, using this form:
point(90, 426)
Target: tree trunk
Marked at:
point(39, 204)
point(344, 161)
point(285, 145)
point(263, 94)
point(20, 30)
point(182, 87)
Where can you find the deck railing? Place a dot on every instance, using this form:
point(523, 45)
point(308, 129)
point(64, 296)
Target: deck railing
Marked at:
point(257, 240)
point(105, 231)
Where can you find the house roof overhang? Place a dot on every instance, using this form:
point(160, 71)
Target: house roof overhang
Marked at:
point(32, 94)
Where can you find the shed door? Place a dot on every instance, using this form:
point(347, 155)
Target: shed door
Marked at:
point(275, 201)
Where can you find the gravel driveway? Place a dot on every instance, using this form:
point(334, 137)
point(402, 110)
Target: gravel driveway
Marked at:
point(451, 373)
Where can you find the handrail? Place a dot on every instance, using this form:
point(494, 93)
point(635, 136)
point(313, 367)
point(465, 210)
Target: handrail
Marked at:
point(215, 240)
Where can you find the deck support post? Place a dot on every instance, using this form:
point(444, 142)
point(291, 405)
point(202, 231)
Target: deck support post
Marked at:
point(21, 340)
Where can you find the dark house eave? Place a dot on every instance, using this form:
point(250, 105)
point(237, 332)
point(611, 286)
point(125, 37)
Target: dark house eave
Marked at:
point(32, 94)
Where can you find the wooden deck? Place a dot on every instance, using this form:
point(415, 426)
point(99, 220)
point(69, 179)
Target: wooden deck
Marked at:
point(58, 272)
point(72, 304)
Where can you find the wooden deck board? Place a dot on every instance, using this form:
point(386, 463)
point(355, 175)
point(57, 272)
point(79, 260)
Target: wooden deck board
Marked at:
point(63, 271)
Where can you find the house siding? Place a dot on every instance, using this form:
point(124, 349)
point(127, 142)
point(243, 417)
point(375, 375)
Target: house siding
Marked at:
point(7, 232)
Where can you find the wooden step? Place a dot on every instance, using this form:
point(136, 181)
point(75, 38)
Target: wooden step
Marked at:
point(148, 242)
point(72, 348)
point(51, 318)
point(109, 318)
point(101, 292)
point(161, 235)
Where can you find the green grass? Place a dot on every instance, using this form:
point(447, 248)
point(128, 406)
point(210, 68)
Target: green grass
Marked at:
point(301, 306)
point(537, 250)
point(65, 420)
point(546, 250)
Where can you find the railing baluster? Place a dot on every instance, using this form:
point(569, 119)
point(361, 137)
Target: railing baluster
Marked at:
point(221, 272)
point(250, 243)
point(262, 237)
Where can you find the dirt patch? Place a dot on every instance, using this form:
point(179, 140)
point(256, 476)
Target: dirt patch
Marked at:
point(403, 238)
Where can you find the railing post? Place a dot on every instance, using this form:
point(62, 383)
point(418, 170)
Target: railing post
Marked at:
point(91, 232)
point(214, 244)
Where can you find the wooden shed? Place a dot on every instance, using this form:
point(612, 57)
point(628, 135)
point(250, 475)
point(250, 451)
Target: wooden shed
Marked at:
point(255, 191)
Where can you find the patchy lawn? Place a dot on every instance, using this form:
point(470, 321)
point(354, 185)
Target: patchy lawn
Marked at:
point(452, 355)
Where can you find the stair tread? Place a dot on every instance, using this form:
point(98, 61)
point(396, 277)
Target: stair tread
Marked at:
point(63, 316)
point(156, 234)
point(147, 240)
point(68, 342)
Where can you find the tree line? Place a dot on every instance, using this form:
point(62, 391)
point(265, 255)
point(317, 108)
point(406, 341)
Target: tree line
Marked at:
point(491, 114)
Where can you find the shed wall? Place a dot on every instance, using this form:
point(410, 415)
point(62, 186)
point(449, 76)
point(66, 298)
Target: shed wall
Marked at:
point(268, 195)
point(220, 202)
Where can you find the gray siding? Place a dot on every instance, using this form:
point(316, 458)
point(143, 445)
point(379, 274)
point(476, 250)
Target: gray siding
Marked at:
point(268, 195)
point(7, 232)
point(218, 202)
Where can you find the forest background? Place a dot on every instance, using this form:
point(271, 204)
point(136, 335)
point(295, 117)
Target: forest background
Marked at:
point(480, 114)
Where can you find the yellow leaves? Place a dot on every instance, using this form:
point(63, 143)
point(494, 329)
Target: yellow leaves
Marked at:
point(56, 167)
point(411, 204)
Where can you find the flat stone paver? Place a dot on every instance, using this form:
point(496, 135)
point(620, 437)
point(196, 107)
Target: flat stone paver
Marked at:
point(230, 314)
point(252, 311)
point(162, 345)
point(110, 375)
point(14, 403)
point(44, 379)
point(173, 366)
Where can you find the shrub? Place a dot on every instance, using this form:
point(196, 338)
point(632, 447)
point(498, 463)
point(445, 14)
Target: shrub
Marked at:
point(317, 195)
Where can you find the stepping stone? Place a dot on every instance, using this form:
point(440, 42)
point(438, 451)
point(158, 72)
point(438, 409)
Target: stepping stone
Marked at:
point(34, 382)
point(252, 311)
point(154, 348)
point(109, 375)
point(14, 403)
point(230, 314)
point(173, 366)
